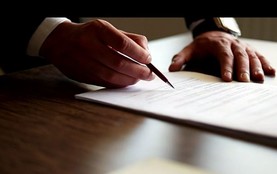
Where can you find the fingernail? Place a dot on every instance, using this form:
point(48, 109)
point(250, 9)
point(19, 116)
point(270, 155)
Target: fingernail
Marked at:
point(244, 77)
point(271, 70)
point(258, 73)
point(172, 62)
point(147, 47)
point(149, 58)
point(228, 75)
point(151, 77)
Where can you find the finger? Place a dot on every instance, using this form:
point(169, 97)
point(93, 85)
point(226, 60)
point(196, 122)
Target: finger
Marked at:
point(120, 63)
point(242, 62)
point(180, 59)
point(256, 70)
point(94, 72)
point(122, 43)
point(139, 39)
point(226, 59)
point(104, 76)
point(109, 78)
point(268, 69)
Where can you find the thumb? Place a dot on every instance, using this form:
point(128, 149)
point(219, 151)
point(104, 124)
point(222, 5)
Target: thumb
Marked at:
point(180, 59)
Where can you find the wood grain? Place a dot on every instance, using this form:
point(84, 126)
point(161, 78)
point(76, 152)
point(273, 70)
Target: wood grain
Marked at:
point(44, 129)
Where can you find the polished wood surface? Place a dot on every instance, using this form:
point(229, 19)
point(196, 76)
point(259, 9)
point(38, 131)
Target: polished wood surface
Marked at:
point(44, 129)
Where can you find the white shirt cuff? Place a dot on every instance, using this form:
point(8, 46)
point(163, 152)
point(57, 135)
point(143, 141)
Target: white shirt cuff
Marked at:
point(42, 32)
point(195, 24)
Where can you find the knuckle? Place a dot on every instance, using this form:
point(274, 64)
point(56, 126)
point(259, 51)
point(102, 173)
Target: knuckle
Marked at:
point(240, 52)
point(120, 64)
point(123, 44)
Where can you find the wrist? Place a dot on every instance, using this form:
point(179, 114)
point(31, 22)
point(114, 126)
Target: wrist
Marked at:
point(41, 33)
point(55, 40)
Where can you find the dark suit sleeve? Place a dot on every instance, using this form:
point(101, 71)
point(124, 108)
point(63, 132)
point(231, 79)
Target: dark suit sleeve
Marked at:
point(207, 25)
point(16, 34)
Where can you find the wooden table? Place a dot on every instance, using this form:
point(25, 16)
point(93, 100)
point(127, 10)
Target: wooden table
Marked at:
point(44, 129)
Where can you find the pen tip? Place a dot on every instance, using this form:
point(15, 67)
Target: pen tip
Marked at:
point(170, 85)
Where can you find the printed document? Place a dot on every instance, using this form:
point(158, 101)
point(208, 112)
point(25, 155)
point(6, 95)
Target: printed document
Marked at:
point(199, 98)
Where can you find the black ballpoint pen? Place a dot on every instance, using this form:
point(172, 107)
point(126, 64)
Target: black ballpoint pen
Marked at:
point(158, 73)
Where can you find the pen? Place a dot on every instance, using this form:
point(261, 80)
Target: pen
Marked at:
point(154, 69)
point(158, 73)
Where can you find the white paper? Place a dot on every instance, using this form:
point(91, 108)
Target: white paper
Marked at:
point(250, 107)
